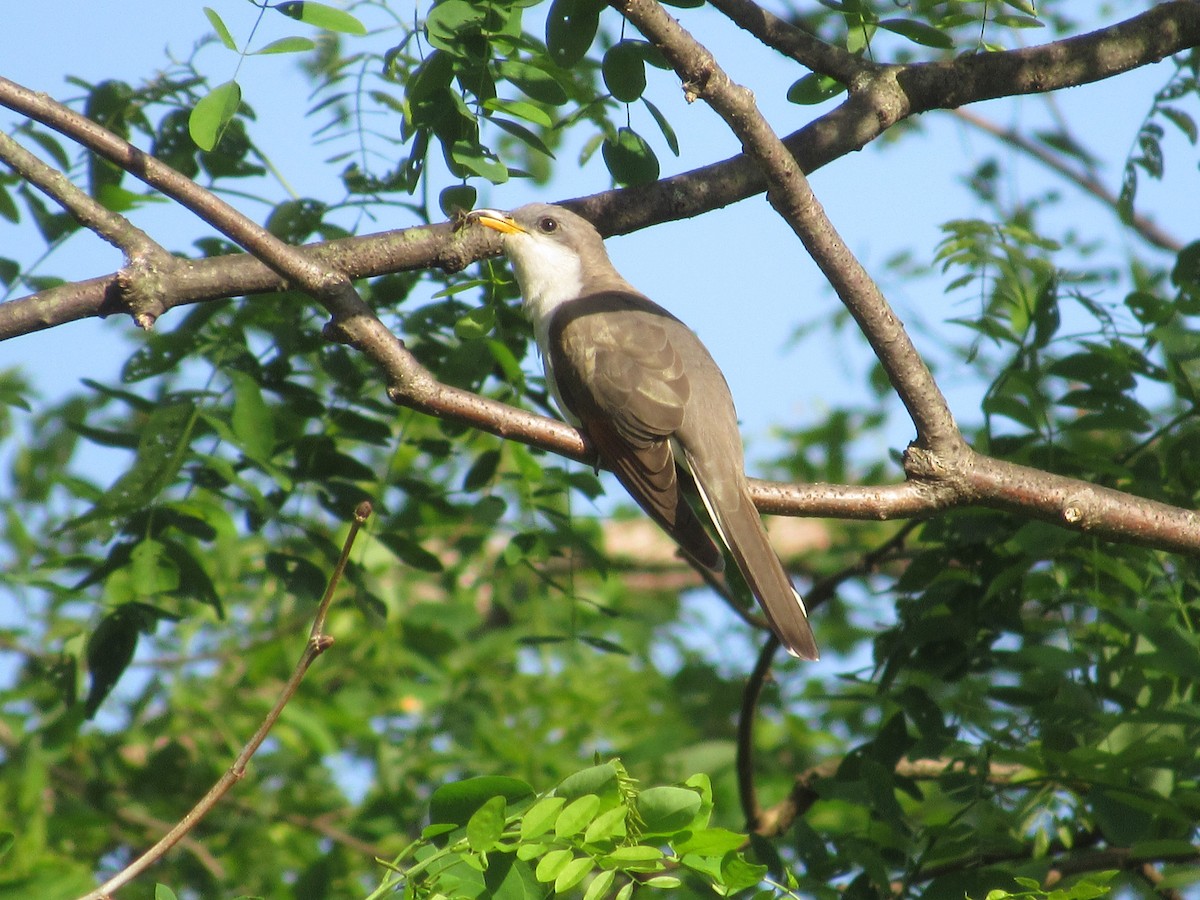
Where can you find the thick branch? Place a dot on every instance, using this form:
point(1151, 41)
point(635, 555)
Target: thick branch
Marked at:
point(792, 197)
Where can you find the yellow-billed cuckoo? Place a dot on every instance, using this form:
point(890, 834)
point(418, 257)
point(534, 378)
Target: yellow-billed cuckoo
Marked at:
point(649, 396)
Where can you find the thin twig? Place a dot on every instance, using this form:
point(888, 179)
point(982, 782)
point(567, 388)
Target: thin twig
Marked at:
point(822, 590)
point(111, 226)
point(796, 43)
point(318, 642)
point(747, 792)
point(1085, 181)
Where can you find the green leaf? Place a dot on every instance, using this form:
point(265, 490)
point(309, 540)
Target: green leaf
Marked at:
point(572, 873)
point(918, 32)
point(219, 27)
point(486, 825)
point(111, 646)
point(600, 780)
point(450, 22)
point(638, 858)
point(629, 158)
point(533, 81)
point(600, 885)
point(1181, 120)
point(482, 471)
point(1010, 21)
point(9, 270)
point(213, 113)
point(570, 29)
point(287, 45)
point(1185, 274)
point(577, 816)
point(477, 159)
point(457, 199)
point(151, 571)
point(709, 842)
point(624, 71)
point(609, 825)
point(664, 126)
point(520, 109)
point(523, 134)
point(665, 810)
point(737, 874)
point(550, 865)
point(476, 324)
point(539, 818)
point(321, 16)
point(410, 552)
point(160, 455)
point(251, 420)
point(1025, 6)
point(162, 892)
point(813, 89)
point(456, 802)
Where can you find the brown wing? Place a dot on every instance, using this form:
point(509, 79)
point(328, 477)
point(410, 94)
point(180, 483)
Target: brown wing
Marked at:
point(619, 374)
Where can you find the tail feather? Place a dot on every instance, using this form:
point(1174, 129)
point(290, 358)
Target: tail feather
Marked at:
point(741, 528)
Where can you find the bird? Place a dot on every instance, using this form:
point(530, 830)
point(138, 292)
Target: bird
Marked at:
point(651, 399)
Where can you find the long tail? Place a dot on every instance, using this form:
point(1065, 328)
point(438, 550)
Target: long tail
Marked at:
point(742, 530)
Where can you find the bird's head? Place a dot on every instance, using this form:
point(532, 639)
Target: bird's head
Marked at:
point(556, 254)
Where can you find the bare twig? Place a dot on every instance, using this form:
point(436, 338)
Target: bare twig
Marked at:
point(775, 820)
point(114, 228)
point(796, 43)
point(747, 792)
point(148, 266)
point(823, 590)
point(318, 642)
point(1085, 181)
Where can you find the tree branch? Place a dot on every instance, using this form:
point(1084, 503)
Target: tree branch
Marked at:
point(822, 590)
point(792, 197)
point(1085, 181)
point(796, 43)
point(318, 642)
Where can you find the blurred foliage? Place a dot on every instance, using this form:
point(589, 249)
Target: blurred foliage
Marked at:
point(164, 539)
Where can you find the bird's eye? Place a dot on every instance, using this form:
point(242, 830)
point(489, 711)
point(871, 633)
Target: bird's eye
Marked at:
point(547, 225)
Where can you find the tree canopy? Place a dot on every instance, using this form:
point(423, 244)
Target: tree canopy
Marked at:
point(318, 598)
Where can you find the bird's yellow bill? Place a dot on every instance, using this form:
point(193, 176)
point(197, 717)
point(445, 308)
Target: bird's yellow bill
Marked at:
point(496, 220)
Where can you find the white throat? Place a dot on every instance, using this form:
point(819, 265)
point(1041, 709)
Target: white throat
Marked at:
point(549, 275)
